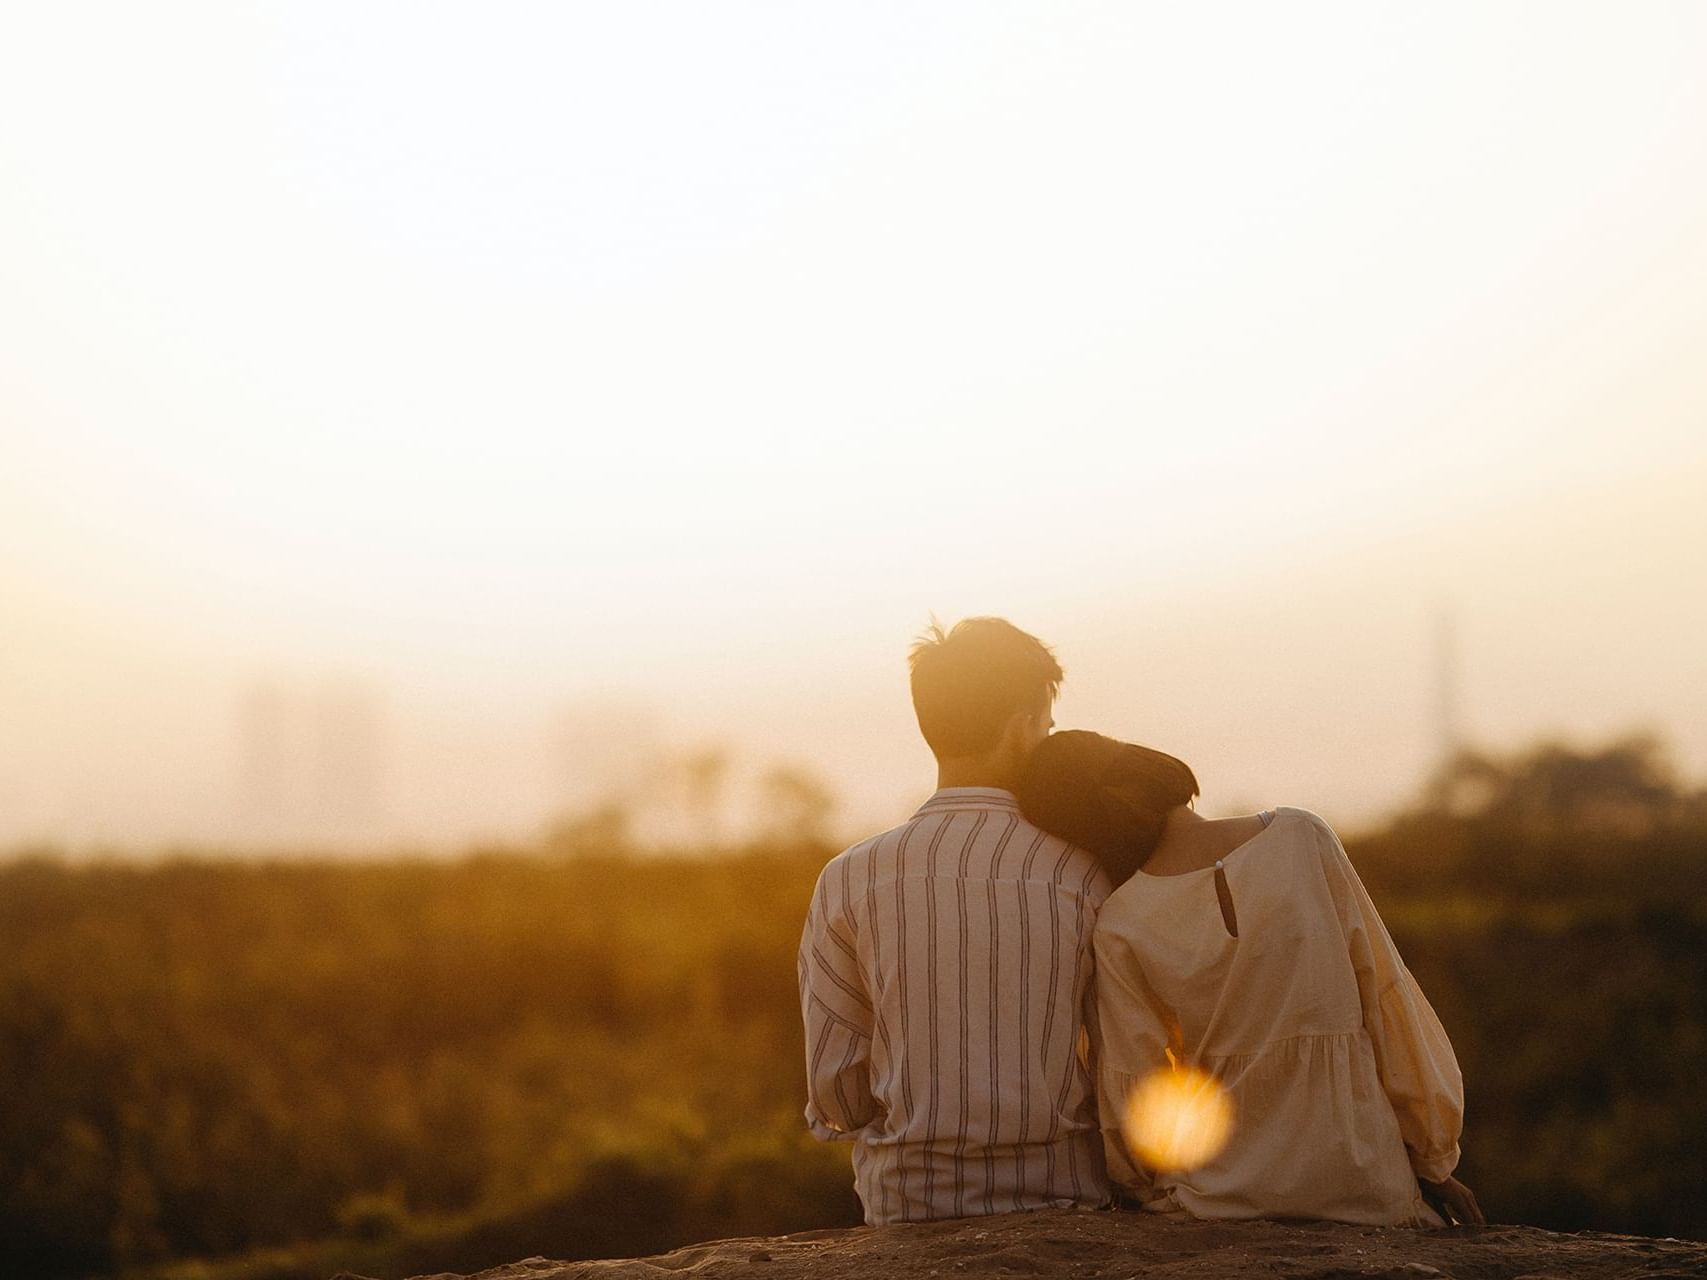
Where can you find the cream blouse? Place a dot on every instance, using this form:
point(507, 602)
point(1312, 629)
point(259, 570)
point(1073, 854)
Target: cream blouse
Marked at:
point(1343, 1083)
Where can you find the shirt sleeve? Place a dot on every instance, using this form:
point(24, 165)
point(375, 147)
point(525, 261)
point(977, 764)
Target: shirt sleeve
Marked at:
point(1413, 1055)
point(837, 1013)
point(1133, 1030)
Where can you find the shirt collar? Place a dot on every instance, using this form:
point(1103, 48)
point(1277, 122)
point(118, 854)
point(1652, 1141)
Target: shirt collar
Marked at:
point(969, 798)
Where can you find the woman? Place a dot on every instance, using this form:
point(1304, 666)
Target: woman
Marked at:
point(1249, 949)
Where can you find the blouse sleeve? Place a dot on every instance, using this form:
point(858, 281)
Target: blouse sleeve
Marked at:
point(1132, 1031)
point(1413, 1055)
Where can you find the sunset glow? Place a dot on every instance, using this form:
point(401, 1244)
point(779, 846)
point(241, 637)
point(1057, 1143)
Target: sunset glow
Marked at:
point(502, 364)
point(1178, 1118)
point(483, 485)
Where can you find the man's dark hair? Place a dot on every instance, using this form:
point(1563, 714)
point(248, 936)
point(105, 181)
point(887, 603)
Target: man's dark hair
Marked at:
point(969, 682)
point(1106, 796)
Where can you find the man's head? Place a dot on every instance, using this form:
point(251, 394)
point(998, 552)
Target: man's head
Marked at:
point(983, 693)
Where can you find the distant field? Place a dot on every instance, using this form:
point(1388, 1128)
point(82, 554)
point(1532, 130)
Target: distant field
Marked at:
point(411, 1066)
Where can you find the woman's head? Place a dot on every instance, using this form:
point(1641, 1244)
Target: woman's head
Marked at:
point(1107, 796)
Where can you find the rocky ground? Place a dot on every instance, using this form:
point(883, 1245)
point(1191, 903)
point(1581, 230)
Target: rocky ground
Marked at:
point(1119, 1246)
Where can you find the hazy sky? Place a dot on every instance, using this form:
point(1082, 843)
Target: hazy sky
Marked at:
point(501, 360)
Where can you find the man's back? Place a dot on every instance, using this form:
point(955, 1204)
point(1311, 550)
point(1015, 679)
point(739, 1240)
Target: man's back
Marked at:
point(944, 972)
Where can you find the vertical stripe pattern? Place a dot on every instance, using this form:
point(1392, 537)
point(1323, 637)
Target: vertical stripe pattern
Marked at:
point(945, 969)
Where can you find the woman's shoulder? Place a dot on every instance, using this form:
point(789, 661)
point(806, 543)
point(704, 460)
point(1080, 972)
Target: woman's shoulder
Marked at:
point(1302, 819)
point(1317, 843)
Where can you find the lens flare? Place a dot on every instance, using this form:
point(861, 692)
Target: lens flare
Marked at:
point(1177, 1118)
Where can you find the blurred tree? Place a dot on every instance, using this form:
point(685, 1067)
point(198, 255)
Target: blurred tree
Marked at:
point(796, 805)
point(1464, 785)
point(704, 772)
point(607, 828)
point(1627, 788)
point(1553, 819)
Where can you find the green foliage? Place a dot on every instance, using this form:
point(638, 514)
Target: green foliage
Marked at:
point(1551, 822)
point(284, 1069)
point(204, 1057)
point(1553, 906)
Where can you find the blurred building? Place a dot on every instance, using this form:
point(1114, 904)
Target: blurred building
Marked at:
point(605, 754)
point(312, 763)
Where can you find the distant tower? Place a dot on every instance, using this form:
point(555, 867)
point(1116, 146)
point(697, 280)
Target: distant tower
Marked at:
point(263, 759)
point(1447, 723)
point(349, 743)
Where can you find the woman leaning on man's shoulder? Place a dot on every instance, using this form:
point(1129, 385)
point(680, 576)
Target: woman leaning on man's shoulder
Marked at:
point(1249, 949)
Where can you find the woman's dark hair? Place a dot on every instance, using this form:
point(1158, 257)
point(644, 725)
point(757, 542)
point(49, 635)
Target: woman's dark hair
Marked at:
point(1106, 796)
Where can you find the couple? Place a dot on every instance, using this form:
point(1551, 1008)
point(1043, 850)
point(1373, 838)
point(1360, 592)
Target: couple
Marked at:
point(984, 986)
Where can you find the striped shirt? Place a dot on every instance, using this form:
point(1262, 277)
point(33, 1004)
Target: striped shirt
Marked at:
point(945, 974)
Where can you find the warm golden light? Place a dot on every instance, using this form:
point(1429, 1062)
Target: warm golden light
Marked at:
point(455, 420)
point(1178, 1118)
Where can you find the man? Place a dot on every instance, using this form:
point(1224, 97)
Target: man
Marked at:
point(945, 965)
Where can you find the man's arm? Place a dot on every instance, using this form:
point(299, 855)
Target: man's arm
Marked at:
point(837, 1014)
